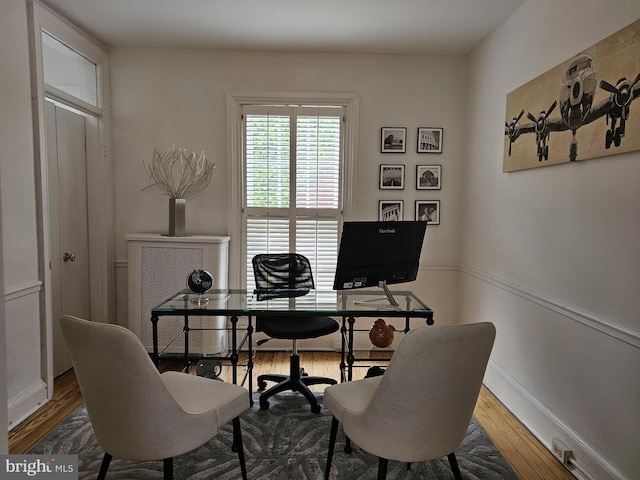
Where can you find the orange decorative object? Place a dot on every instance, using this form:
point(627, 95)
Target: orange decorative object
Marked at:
point(381, 334)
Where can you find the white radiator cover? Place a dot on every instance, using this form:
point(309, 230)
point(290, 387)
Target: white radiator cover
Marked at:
point(158, 266)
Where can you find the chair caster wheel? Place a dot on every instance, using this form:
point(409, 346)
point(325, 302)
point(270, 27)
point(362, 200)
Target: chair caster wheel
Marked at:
point(262, 385)
point(315, 408)
point(264, 405)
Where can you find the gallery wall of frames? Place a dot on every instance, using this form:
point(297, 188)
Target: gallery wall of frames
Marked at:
point(426, 179)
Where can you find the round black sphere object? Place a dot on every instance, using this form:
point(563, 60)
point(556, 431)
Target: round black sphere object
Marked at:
point(199, 281)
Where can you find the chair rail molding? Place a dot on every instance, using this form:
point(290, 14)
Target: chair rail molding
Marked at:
point(22, 290)
point(571, 312)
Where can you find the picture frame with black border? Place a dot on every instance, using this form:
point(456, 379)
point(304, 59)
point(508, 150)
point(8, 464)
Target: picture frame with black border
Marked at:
point(390, 210)
point(393, 139)
point(428, 211)
point(428, 177)
point(430, 139)
point(391, 177)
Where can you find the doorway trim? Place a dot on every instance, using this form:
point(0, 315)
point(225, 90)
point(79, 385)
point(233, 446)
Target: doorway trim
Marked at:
point(99, 173)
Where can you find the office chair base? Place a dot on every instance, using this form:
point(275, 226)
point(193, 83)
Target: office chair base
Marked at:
point(295, 382)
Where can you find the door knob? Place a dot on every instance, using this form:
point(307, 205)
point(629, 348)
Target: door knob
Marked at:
point(69, 257)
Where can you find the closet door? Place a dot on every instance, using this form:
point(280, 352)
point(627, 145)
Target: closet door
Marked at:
point(69, 238)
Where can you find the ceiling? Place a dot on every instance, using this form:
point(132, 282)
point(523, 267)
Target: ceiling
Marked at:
point(434, 27)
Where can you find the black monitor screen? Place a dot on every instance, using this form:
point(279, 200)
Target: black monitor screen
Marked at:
point(375, 254)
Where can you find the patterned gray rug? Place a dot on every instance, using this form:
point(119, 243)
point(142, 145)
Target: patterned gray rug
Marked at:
point(285, 442)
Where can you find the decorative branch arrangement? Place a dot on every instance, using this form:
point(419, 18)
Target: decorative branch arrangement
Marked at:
point(178, 174)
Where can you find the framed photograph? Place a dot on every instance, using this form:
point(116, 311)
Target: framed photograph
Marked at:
point(391, 210)
point(428, 177)
point(393, 139)
point(430, 140)
point(428, 211)
point(391, 177)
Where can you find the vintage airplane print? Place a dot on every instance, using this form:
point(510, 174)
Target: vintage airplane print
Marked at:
point(581, 109)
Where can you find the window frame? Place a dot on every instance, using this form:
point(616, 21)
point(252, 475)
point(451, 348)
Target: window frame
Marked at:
point(235, 102)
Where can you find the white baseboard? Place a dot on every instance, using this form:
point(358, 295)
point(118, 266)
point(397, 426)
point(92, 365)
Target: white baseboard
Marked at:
point(27, 402)
point(589, 464)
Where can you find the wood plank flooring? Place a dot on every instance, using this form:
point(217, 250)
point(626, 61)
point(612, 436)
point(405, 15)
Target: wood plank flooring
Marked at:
point(526, 455)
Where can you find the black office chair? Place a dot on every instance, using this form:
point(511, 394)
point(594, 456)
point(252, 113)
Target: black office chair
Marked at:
point(289, 275)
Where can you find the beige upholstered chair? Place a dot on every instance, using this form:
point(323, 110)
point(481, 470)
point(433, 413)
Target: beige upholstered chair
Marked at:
point(420, 409)
point(138, 413)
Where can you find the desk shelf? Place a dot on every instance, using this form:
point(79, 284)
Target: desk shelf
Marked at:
point(348, 358)
point(232, 355)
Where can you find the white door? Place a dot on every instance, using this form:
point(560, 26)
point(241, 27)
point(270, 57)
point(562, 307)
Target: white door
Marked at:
point(67, 183)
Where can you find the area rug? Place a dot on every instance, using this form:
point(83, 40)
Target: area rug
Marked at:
point(285, 442)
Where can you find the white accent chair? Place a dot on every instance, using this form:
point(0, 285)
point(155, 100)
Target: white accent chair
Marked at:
point(420, 409)
point(136, 412)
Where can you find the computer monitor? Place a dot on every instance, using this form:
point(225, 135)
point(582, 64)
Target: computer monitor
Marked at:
point(377, 254)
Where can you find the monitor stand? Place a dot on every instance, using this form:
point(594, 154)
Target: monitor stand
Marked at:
point(380, 302)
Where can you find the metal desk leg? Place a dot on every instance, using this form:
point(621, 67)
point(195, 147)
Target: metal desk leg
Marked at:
point(250, 360)
point(155, 357)
point(187, 364)
point(350, 356)
point(343, 332)
point(234, 349)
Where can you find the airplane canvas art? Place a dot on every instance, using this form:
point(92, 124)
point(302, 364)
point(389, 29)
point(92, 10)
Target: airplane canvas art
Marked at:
point(581, 109)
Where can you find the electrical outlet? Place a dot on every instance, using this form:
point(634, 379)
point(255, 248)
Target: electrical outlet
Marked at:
point(560, 450)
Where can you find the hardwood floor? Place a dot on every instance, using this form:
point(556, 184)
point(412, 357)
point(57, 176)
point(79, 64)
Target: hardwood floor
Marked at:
point(66, 398)
point(526, 455)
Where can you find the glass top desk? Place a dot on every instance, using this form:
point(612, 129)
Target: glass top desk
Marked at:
point(347, 304)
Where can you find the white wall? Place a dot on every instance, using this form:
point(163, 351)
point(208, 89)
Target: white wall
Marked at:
point(551, 255)
point(166, 97)
point(4, 412)
point(26, 388)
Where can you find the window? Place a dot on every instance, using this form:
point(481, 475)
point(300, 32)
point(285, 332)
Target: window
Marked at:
point(69, 71)
point(292, 192)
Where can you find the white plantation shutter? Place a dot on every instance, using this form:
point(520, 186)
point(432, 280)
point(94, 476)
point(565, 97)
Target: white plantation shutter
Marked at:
point(317, 239)
point(267, 153)
point(292, 197)
point(318, 162)
point(265, 235)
